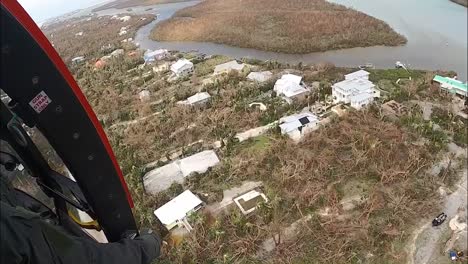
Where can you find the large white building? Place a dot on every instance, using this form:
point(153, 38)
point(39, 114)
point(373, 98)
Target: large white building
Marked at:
point(355, 90)
point(175, 212)
point(297, 125)
point(290, 86)
point(182, 67)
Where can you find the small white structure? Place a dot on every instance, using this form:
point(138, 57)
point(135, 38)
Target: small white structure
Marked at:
point(357, 90)
point(78, 34)
point(127, 40)
point(144, 96)
point(400, 65)
point(248, 202)
point(182, 67)
point(175, 212)
point(260, 106)
point(229, 66)
point(197, 99)
point(125, 18)
point(117, 52)
point(151, 56)
point(296, 126)
point(122, 31)
point(260, 76)
point(162, 178)
point(290, 86)
point(78, 59)
point(361, 74)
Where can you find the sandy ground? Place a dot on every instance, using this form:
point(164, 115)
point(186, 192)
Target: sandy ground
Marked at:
point(430, 245)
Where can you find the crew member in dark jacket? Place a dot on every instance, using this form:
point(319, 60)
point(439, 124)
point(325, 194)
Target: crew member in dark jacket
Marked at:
point(28, 238)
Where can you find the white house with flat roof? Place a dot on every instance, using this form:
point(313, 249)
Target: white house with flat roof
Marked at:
point(297, 125)
point(291, 87)
point(182, 67)
point(175, 212)
point(229, 66)
point(196, 99)
point(357, 90)
point(162, 178)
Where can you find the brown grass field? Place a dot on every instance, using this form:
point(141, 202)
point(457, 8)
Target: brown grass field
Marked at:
point(296, 26)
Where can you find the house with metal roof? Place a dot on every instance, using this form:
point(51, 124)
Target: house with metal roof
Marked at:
point(357, 90)
point(162, 178)
point(452, 85)
point(259, 76)
point(182, 67)
point(151, 56)
point(229, 66)
point(175, 212)
point(361, 74)
point(297, 125)
point(290, 86)
point(196, 99)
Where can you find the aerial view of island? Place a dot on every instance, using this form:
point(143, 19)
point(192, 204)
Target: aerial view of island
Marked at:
point(282, 131)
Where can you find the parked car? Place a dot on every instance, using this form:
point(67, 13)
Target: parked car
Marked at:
point(439, 219)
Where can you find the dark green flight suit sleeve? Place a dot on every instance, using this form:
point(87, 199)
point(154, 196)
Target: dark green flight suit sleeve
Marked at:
point(25, 238)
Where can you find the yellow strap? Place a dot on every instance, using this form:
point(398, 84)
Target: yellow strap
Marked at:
point(86, 225)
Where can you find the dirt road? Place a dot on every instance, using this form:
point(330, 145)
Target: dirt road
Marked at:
point(430, 244)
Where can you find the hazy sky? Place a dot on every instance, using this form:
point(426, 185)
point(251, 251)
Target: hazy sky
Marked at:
point(40, 10)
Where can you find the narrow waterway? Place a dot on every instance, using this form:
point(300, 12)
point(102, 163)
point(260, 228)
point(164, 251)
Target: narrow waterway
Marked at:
point(436, 31)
